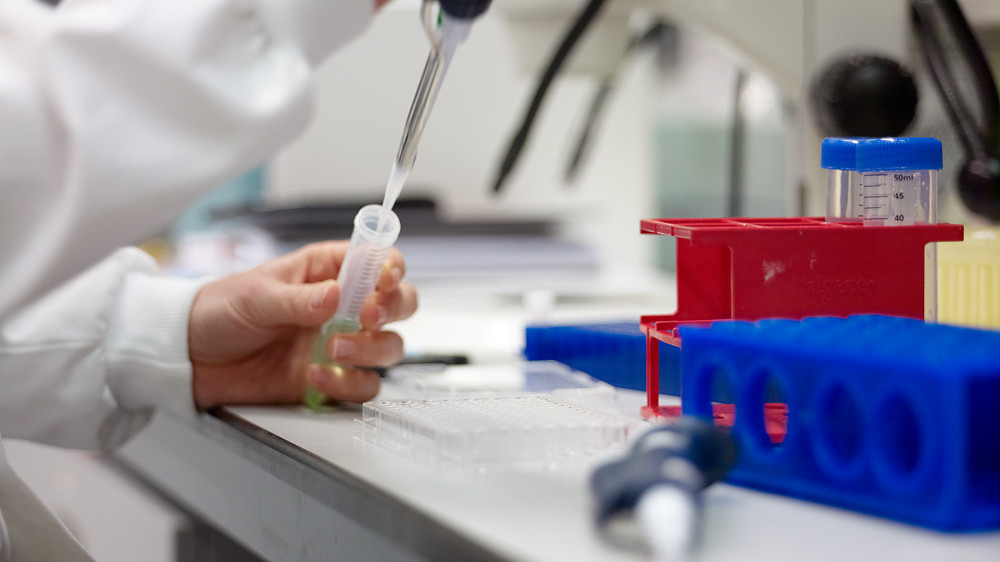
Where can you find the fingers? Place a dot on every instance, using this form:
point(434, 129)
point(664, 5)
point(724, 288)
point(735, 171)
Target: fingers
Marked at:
point(392, 306)
point(322, 261)
point(311, 263)
point(393, 271)
point(312, 299)
point(307, 273)
point(280, 304)
point(373, 349)
point(347, 384)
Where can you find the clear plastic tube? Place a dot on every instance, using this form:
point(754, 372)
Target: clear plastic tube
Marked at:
point(844, 200)
point(371, 241)
point(886, 182)
point(899, 197)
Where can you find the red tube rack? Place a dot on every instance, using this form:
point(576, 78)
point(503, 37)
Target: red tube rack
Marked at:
point(754, 268)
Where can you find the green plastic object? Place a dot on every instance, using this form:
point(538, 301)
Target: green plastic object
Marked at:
point(314, 398)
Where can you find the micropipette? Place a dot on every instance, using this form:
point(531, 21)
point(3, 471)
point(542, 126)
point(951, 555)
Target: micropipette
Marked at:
point(660, 481)
point(444, 40)
point(375, 231)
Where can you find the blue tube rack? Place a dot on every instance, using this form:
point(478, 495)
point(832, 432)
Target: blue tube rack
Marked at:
point(613, 352)
point(887, 416)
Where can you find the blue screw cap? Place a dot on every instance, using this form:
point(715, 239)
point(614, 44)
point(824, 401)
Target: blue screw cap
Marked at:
point(839, 153)
point(881, 154)
point(905, 153)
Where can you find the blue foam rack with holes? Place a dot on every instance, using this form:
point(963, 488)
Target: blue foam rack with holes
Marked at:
point(888, 416)
point(613, 352)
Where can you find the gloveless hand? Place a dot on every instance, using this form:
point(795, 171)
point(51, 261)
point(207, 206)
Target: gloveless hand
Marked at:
point(249, 334)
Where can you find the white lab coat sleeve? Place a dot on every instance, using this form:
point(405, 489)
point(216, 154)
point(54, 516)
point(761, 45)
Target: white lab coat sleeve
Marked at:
point(118, 114)
point(85, 366)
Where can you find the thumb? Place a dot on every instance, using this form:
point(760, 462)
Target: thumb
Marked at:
point(306, 304)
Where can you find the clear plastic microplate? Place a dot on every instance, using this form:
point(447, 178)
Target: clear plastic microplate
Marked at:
point(523, 430)
point(537, 377)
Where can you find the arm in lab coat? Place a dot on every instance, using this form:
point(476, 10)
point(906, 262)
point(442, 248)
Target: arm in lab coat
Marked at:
point(85, 366)
point(119, 114)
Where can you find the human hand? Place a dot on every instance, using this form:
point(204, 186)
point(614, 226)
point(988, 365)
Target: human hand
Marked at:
point(380, 3)
point(249, 334)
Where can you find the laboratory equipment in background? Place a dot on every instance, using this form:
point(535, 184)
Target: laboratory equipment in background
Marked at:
point(947, 44)
point(375, 231)
point(791, 42)
point(845, 63)
point(890, 416)
point(507, 257)
point(657, 485)
point(787, 43)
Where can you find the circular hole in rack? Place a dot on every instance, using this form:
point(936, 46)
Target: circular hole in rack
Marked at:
point(774, 411)
point(899, 436)
point(722, 396)
point(838, 428)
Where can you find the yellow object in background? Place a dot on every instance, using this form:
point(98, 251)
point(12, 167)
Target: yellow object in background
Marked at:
point(969, 280)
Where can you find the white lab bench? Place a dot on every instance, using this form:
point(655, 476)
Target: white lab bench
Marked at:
point(291, 484)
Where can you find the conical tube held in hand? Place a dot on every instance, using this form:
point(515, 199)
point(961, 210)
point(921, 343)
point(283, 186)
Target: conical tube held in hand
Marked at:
point(371, 241)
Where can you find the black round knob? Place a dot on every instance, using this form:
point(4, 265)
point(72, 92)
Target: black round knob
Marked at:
point(979, 186)
point(864, 95)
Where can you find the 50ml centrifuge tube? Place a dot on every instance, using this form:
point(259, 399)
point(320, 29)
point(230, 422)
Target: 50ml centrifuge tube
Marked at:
point(371, 241)
point(886, 182)
point(882, 181)
point(899, 180)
